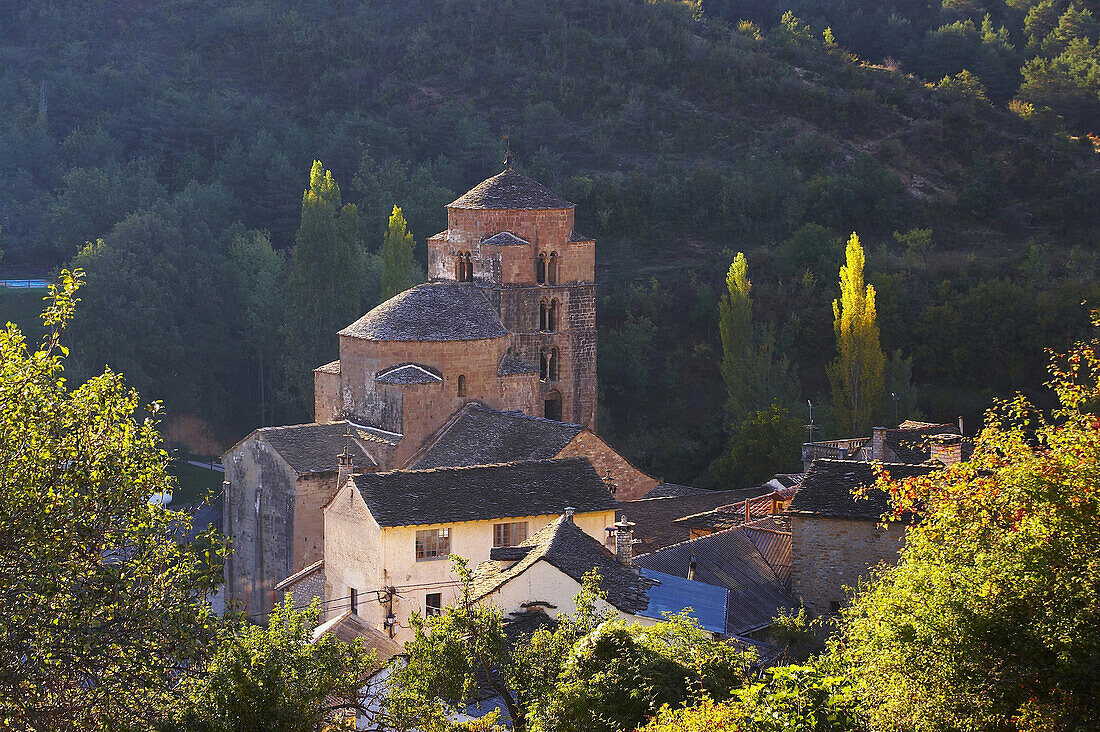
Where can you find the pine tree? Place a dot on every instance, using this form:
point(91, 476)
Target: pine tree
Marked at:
point(325, 282)
point(856, 376)
point(398, 266)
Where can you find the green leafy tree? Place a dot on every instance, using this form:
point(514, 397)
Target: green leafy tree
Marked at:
point(277, 678)
point(590, 672)
point(766, 443)
point(398, 266)
point(325, 283)
point(103, 605)
point(856, 376)
point(989, 621)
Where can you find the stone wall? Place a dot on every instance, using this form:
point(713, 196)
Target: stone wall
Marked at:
point(829, 554)
point(630, 482)
point(326, 395)
point(312, 493)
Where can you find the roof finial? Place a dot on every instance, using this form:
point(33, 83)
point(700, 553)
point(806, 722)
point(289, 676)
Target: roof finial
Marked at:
point(507, 153)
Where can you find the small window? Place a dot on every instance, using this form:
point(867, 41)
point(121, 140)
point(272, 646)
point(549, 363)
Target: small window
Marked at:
point(548, 368)
point(433, 544)
point(464, 267)
point(540, 269)
point(552, 316)
point(433, 603)
point(462, 385)
point(551, 407)
point(543, 317)
point(552, 268)
point(509, 534)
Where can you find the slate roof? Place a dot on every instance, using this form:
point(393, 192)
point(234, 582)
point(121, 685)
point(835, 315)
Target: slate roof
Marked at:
point(655, 517)
point(577, 236)
point(728, 559)
point(668, 490)
point(347, 627)
point(433, 311)
point(448, 495)
point(483, 436)
point(731, 515)
point(313, 448)
point(909, 442)
point(565, 546)
point(332, 367)
point(409, 373)
point(510, 365)
point(774, 544)
point(827, 488)
point(510, 190)
point(506, 239)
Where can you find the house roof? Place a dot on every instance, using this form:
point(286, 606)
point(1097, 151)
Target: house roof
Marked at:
point(673, 594)
point(506, 239)
point(827, 488)
point(565, 546)
point(433, 311)
point(577, 236)
point(348, 627)
point(773, 540)
point(510, 365)
point(728, 559)
point(409, 373)
point(483, 436)
point(655, 518)
point(510, 190)
point(909, 442)
point(332, 367)
point(731, 515)
point(314, 448)
point(668, 490)
point(453, 494)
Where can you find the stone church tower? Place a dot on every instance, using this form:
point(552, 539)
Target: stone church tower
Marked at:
point(514, 239)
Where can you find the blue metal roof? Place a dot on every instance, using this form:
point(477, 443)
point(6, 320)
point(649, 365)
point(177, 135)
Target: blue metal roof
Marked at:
point(673, 594)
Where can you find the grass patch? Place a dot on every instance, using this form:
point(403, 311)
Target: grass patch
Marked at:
point(194, 484)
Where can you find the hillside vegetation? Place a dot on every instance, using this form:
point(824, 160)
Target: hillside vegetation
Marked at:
point(182, 134)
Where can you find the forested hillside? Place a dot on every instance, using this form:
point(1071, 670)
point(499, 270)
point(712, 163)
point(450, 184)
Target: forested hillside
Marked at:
point(182, 133)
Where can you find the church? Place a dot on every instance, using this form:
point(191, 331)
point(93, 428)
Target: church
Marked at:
point(460, 417)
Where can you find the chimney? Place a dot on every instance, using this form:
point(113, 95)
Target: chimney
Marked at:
point(624, 541)
point(748, 512)
point(347, 464)
point(691, 567)
point(961, 425)
point(878, 444)
point(568, 517)
point(946, 448)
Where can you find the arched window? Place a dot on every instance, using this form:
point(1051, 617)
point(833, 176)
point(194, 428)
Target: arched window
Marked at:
point(552, 316)
point(548, 364)
point(551, 406)
point(462, 385)
point(464, 267)
point(552, 268)
point(544, 317)
point(540, 269)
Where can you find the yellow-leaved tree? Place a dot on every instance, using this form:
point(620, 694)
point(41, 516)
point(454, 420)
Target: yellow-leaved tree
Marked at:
point(856, 374)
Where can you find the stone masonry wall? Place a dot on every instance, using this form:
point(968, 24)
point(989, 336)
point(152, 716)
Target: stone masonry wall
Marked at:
point(630, 482)
point(326, 396)
point(312, 493)
point(830, 554)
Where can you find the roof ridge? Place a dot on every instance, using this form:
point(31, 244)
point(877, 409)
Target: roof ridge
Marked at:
point(697, 538)
point(572, 458)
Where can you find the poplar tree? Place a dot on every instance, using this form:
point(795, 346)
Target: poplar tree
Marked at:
point(398, 266)
point(325, 281)
point(856, 376)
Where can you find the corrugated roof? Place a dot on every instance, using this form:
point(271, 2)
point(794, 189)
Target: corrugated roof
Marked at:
point(774, 546)
point(433, 311)
point(510, 190)
point(453, 494)
point(728, 559)
point(483, 436)
point(672, 594)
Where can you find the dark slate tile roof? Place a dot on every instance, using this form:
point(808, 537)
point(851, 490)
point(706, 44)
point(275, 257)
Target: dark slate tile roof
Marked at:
point(774, 544)
point(655, 517)
point(448, 495)
point(668, 490)
point(577, 236)
point(313, 448)
point(409, 373)
point(827, 488)
point(728, 559)
point(506, 239)
point(483, 436)
point(332, 367)
point(510, 190)
point(565, 546)
point(433, 311)
point(510, 365)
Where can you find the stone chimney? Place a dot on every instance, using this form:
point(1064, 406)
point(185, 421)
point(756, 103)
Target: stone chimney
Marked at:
point(946, 448)
point(347, 465)
point(878, 444)
point(568, 515)
point(691, 567)
point(624, 541)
